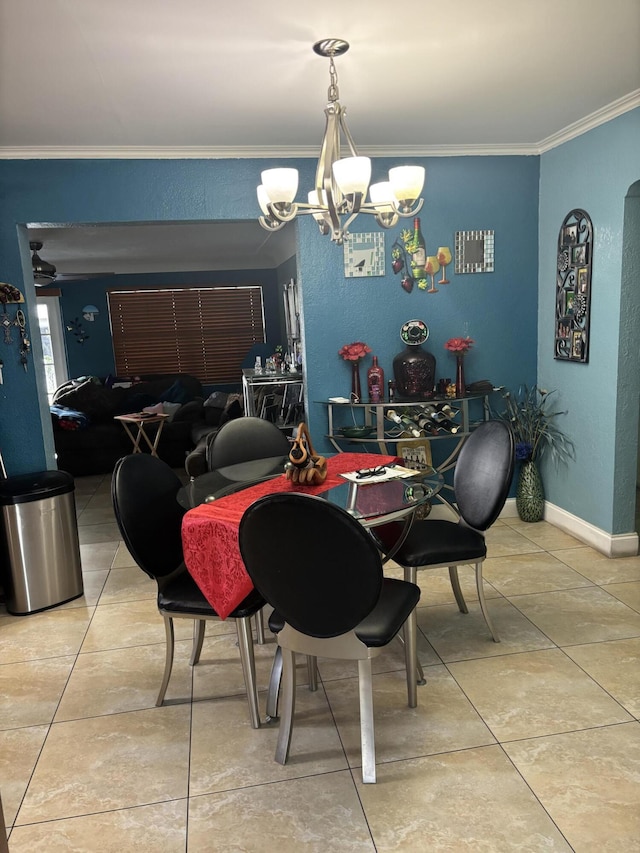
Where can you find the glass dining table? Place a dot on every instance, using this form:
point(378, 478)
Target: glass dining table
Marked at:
point(210, 526)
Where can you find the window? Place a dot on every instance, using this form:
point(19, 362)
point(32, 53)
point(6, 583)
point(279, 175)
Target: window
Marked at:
point(204, 331)
point(54, 356)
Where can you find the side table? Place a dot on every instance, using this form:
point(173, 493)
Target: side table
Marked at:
point(140, 420)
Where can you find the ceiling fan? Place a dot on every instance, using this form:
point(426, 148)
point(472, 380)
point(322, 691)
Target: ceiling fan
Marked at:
point(45, 273)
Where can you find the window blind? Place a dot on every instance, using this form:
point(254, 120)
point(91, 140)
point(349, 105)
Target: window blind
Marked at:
point(204, 331)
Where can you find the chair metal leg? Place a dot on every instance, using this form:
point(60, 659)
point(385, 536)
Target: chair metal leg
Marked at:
point(483, 603)
point(411, 657)
point(276, 677)
point(260, 637)
point(245, 644)
point(289, 705)
point(457, 589)
point(411, 575)
point(198, 638)
point(367, 733)
point(168, 660)
point(274, 685)
point(312, 670)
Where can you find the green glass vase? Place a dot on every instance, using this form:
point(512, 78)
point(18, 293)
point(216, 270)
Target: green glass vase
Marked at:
point(530, 493)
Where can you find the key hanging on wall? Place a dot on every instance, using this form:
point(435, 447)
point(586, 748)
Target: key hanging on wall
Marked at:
point(25, 343)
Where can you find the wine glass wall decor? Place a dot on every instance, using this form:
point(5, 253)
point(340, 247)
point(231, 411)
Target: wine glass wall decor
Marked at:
point(409, 256)
point(573, 287)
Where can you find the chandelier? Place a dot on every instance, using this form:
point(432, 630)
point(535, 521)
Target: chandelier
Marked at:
point(341, 182)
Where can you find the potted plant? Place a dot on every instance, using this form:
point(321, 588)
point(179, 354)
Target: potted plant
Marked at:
point(533, 420)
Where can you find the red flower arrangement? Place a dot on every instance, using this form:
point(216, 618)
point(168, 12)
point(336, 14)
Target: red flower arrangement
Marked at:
point(459, 345)
point(354, 351)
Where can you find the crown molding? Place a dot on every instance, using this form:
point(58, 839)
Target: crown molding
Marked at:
point(611, 111)
point(256, 152)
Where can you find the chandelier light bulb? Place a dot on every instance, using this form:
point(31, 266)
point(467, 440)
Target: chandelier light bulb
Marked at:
point(407, 183)
point(281, 185)
point(352, 175)
point(382, 195)
point(263, 199)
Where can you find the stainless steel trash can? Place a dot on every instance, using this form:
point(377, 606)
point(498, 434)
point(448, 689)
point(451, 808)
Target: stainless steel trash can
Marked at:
point(40, 550)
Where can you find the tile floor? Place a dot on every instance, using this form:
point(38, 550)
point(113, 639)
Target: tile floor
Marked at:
point(532, 744)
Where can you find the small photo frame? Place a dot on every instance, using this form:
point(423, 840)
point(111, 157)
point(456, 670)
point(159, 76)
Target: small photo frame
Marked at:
point(415, 454)
point(583, 279)
point(570, 235)
point(576, 345)
point(579, 254)
point(569, 299)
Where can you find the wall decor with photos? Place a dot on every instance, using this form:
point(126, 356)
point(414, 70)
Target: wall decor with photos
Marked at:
point(573, 287)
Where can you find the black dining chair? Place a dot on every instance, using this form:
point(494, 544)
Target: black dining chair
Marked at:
point(247, 448)
point(144, 493)
point(322, 573)
point(481, 482)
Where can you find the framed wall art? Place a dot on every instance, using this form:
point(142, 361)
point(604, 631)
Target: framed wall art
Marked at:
point(474, 251)
point(415, 454)
point(573, 287)
point(363, 255)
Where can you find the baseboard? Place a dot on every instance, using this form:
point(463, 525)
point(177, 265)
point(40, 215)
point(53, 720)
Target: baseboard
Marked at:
point(609, 544)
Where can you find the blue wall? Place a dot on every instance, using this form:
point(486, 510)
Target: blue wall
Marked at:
point(507, 312)
point(594, 172)
point(499, 309)
point(95, 356)
point(461, 193)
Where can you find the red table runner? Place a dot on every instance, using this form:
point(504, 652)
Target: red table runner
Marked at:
point(210, 531)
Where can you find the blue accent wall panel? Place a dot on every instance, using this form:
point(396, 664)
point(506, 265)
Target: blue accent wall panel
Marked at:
point(594, 172)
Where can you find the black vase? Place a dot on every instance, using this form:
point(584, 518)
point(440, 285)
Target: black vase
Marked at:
point(414, 370)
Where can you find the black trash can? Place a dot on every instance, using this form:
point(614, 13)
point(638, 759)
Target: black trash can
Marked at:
point(40, 550)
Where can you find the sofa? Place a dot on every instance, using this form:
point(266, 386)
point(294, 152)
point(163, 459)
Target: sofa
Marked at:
point(89, 441)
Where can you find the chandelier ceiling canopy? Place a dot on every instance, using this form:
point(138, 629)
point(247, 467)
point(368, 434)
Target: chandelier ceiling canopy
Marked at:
point(342, 183)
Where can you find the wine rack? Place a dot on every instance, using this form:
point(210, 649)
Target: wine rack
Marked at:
point(419, 422)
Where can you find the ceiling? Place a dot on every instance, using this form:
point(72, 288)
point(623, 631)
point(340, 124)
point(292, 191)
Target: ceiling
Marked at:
point(155, 78)
point(167, 247)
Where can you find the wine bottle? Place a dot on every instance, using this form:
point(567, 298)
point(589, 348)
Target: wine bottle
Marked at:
point(448, 425)
point(375, 381)
point(446, 410)
point(404, 421)
point(418, 246)
point(437, 420)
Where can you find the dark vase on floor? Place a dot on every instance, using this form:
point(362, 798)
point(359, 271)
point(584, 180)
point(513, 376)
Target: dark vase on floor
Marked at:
point(530, 493)
point(356, 390)
point(460, 383)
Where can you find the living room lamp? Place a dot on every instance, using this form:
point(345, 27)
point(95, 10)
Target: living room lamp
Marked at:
point(342, 183)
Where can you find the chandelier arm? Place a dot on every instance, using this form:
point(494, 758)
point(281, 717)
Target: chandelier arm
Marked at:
point(347, 134)
point(329, 153)
point(286, 214)
point(386, 219)
point(411, 211)
point(270, 224)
